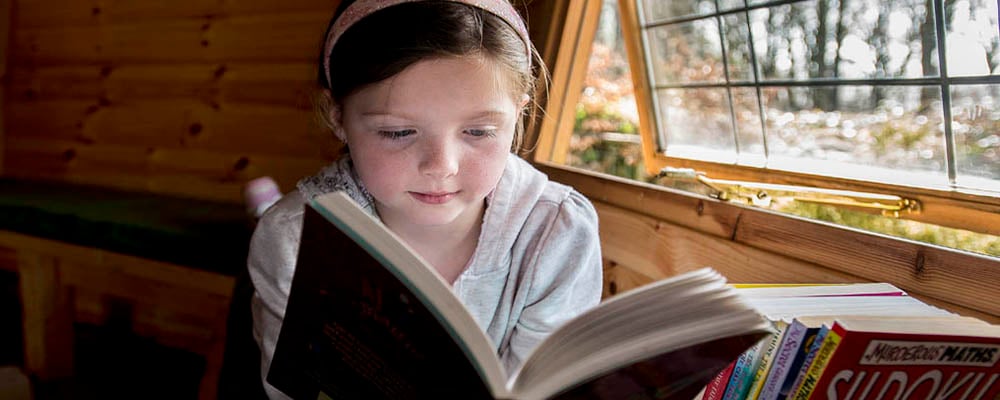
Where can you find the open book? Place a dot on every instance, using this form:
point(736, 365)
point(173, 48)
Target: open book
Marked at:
point(368, 318)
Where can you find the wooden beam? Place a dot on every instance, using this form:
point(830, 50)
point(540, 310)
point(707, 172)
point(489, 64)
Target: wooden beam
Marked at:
point(47, 316)
point(568, 75)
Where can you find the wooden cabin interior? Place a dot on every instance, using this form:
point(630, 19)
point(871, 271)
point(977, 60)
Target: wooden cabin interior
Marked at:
point(131, 127)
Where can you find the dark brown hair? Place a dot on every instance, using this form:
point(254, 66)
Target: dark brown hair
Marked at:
point(388, 41)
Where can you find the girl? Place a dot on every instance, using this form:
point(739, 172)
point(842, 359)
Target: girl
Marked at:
point(428, 97)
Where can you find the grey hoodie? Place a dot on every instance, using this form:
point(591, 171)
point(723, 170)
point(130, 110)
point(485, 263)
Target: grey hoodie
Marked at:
point(537, 263)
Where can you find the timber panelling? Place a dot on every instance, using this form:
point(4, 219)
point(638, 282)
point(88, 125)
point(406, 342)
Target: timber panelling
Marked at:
point(189, 98)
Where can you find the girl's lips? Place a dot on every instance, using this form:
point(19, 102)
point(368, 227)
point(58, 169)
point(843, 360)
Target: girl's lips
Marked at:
point(433, 198)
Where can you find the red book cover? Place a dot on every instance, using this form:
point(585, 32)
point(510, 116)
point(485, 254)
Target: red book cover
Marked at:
point(912, 364)
point(717, 387)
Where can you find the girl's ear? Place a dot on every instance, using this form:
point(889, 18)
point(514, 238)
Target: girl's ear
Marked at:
point(336, 119)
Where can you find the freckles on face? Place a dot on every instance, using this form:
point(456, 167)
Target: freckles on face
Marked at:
point(437, 134)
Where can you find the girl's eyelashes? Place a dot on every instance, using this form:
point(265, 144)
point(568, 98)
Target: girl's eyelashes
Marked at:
point(481, 132)
point(398, 134)
point(401, 133)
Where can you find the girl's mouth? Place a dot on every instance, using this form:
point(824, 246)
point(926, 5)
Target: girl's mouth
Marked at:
point(433, 198)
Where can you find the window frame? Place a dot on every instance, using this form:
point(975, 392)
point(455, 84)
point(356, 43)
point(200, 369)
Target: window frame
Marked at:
point(959, 208)
point(650, 230)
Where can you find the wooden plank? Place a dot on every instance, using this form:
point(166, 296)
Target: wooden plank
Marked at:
point(291, 37)
point(99, 260)
point(219, 84)
point(173, 123)
point(699, 213)
point(48, 324)
point(619, 279)
point(655, 249)
point(182, 297)
point(162, 323)
point(75, 12)
point(190, 172)
point(546, 21)
point(567, 79)
point(957, 277)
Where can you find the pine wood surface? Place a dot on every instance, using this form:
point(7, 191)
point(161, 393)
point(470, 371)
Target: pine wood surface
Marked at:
point(186, 172)
point(190, 98)
point(265, 38)
point(655, 231)
point(34, 13)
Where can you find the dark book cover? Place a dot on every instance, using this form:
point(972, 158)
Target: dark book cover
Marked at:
point(354, 330)
point(678, 374)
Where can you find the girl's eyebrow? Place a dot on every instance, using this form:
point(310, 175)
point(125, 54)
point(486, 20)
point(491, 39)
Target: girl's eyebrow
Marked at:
point(489, 114)
point(480, 115)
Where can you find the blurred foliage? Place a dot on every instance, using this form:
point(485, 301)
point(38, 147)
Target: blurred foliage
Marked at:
point(606, 109)
point(927, 233)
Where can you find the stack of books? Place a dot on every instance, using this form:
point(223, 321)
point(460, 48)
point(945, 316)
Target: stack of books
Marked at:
point(867, 341)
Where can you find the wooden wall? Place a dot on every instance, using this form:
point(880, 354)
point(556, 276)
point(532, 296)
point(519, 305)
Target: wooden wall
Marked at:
point(187, 97)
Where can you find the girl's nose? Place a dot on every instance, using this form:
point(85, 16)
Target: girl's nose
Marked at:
point(440, 159)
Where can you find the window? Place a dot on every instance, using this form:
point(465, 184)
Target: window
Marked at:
point(897, 98)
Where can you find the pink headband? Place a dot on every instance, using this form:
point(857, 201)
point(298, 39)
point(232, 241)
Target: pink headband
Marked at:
point(363, 8)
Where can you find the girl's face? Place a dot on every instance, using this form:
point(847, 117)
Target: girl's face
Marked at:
point(431, 142)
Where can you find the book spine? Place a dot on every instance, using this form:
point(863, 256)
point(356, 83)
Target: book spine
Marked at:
point(810, 355)
point(819, 364)
point(717, 387)
point(742, 372)
point(786, 352)
point(765, 361)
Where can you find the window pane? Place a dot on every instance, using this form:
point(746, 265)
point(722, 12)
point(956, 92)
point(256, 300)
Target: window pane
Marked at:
point(605, 134)
point(659, 10)
point(738, 47)
point(686, 53)
point(749, 130)
point(725, 5)
point(881, 133)
point(973, 37)
point(697, 123)
point(807, 40)
point(976, 126)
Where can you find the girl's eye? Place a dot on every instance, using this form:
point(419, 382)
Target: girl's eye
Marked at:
point(397, 134)
point(481, 132)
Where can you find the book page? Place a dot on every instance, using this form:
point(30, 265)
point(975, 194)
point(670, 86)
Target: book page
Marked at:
point(659, 318)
